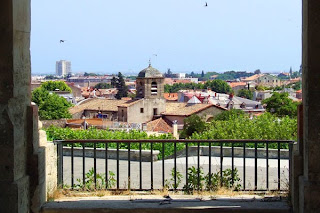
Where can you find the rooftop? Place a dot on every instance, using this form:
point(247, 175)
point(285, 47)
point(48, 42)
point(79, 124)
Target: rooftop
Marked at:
point(183, 109)
point(97, 104)
point(150, 72)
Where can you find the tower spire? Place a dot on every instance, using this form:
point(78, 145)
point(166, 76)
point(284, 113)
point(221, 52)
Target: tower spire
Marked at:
point(149, 62)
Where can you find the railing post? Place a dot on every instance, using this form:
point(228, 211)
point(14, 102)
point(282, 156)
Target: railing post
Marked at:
point(60, 164)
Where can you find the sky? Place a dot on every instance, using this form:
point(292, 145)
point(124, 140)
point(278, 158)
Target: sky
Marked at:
point(108, 36)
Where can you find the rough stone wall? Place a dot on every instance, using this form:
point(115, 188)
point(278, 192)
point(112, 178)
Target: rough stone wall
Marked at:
point(58, 123)
point(15, 96)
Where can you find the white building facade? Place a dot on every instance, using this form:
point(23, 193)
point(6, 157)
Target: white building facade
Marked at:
point(63, 67)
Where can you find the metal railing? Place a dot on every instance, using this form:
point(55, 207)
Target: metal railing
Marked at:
point(223, 146)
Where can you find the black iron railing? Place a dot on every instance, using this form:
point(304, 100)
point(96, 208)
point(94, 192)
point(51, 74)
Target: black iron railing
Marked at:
point(224, 146)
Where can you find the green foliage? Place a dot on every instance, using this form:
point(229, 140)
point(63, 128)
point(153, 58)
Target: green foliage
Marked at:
point(51, 106)
point(281, 105)
point(214, 182)
point(57, 133)
point(211, 182)
point(170, 184)
point(218, 85)
point(192, 124)
point(193, 183)
point(245, 93)
point(229, 114)
point(54, 85)
point(54, 107)
point(121, 86)
point(180, 86)
point(103, 86)
point(90, 74)
point(263, 127)
point(101, 181)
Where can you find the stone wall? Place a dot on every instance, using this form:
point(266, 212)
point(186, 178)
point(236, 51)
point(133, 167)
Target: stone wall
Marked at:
point(58, 123)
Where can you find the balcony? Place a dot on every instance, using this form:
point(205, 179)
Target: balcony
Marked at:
point(186, 169)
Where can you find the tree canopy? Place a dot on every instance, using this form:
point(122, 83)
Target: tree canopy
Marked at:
point(121, 86)
point(192, 124)
point(219, 86)
point(55, 85)
point(51, 106)
point(103, 86)
point(281, 105)
point(245, 93)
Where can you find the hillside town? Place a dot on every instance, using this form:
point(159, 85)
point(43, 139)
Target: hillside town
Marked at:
point(154, 101)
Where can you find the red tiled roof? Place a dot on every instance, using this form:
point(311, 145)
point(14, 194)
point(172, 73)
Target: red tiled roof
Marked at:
point(159, 125)
point(235, 84)
point(170, 96)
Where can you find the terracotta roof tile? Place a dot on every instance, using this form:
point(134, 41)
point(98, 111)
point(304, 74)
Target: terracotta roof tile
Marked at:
point(97, 104)
point(159, 125)
point(183, 109)
point(170, 96)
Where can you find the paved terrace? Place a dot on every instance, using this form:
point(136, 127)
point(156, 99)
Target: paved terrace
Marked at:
point(157, 203)
point(181, 167)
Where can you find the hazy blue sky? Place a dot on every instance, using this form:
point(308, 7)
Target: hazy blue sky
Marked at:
point(110, 36)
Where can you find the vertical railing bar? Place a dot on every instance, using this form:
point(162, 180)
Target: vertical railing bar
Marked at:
point(140, 166)
point(83, 165)
point(221, 163)
point(60, 164)
point(267, 165)
point(278, 166)
point(187, 155)
point(129, 166)
point(118, 175)
point(106, 164)
point(244, 166)
point(290, 165)
point(198, 172)
point(72, 167)
point(209, 164)
point(175, 165)
point(232, 164)
point(163, 173)
point(151, 160)
point(95, 164)
point(255, 166)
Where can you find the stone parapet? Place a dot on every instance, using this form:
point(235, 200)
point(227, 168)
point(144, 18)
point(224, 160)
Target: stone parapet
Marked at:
point(112, 153)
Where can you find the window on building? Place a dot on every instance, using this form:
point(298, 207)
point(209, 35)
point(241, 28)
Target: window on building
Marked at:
point(141, 110)
point(155, 111)
point(154, 88)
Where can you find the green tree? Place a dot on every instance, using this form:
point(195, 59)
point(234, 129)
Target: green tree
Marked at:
point(257, 71)
point(281, 105)
point(229, 115)
point(103, 86)
point(113, 82)
point(192, 124)
point(121, 86)
point(55, 85)
point(245, 93)
point(218, 85)
point(51, 106)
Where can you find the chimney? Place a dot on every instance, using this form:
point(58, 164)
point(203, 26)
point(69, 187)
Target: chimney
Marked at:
point(175, 129)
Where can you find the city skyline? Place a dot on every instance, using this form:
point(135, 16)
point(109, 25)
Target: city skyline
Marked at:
point(185, 36)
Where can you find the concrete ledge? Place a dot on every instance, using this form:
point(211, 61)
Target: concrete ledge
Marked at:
point(227, 152)
point(112, 153)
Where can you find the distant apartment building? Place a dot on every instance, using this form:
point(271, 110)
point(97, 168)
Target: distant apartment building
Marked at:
point(63, 67)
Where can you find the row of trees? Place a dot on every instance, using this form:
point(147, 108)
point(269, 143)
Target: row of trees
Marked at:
point(215, 85)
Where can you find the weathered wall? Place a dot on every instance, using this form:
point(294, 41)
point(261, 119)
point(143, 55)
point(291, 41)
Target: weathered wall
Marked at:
point(58, 123)
point(14, 102)
point(134, 114)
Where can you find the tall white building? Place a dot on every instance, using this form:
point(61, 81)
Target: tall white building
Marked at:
point(63, 67)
